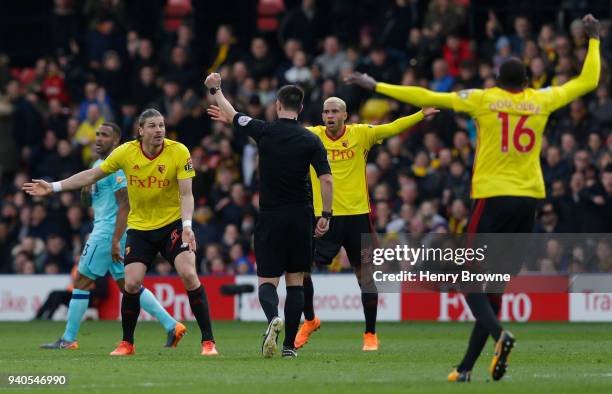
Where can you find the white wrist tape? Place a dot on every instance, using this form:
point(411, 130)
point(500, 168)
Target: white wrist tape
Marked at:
point(186, 223)
point(57, 186)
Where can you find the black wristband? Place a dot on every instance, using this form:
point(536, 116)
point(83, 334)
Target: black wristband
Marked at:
point(212, 91)
point(326, 215)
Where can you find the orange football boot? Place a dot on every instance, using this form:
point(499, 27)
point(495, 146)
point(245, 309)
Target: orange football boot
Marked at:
point(306, 331)
point(175, 336)
point(209, 348)
point(370, 342)
point(124, 349)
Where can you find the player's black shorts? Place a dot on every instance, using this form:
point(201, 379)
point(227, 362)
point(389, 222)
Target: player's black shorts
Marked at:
point(142, 246)
point(283, 241)
point(507, 214)
point(344, 231)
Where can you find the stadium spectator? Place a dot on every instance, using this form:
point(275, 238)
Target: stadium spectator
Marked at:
point(144, 57)
point(379, 65)
point(55, 259)
point(333, 59)
point(522, 34)
point(86, 133)
point(112, 78)
point(539, 75)
point(442, 80)
point(261, 61)
point(443, 17)
point(554, 168)
point(102, 38)
point(53, 86)
point(299, 73)
point(305, 24)
point(226, 50)
point(180, 68)
point(395, 25)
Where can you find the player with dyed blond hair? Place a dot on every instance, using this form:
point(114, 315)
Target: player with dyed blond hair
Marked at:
point(507, 179)
point(347, 149)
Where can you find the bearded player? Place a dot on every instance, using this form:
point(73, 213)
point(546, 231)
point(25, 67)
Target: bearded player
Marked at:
point(347, 148)
point(159, 173)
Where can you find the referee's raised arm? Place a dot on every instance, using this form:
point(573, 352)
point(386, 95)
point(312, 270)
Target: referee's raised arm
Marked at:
point(226, 112)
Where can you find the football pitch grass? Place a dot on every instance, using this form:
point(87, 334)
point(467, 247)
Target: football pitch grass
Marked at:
point(413, 358)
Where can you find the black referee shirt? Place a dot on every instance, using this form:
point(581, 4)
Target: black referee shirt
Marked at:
point(286, 151)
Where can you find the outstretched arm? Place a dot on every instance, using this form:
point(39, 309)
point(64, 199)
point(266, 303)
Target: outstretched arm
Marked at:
point(414, 95)
point(41, 188)
point(589, 76)
point(400, 125)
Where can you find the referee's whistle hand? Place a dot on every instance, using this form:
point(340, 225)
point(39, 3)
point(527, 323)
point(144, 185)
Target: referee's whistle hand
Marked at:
point(322, 227)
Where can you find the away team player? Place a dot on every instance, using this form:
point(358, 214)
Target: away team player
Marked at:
point(507, 178)
point(103, 251)
point(159, 173)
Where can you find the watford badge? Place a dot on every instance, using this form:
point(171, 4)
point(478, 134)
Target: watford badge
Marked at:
point(161, 168)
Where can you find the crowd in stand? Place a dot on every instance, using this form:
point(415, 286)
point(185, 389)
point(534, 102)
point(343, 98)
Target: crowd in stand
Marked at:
point(419, 182)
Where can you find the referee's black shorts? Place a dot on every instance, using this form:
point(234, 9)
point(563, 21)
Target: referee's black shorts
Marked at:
point(283, 241)
point(504, 214)
point(345, 231)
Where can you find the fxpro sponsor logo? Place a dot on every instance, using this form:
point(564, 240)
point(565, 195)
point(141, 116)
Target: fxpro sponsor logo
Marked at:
point(340, 154)
point(150, 182)
point(515, 307)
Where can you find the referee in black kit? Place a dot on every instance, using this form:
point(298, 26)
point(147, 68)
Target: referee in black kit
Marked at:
point(283, 234)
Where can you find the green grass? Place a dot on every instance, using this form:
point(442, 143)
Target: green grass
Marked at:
point(414, 358)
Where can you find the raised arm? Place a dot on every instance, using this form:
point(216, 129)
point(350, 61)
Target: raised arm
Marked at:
point(589, 76)
point(213, 83)
point(41, 188)
point(414, 95)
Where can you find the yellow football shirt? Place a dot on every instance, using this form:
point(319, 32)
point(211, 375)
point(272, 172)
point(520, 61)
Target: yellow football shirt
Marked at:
point(510, 127)
point(347, 154)
point(152, 181)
